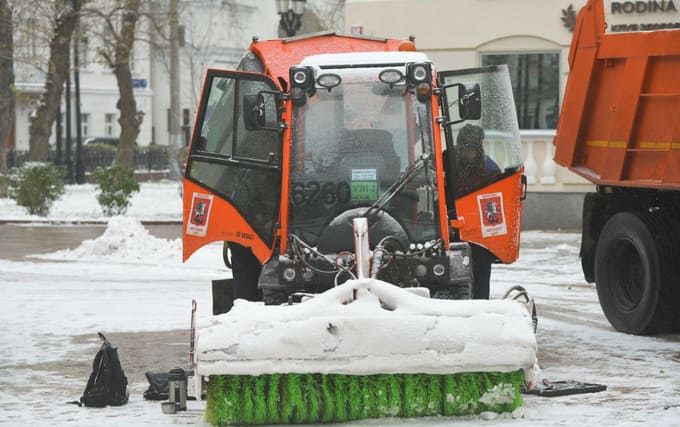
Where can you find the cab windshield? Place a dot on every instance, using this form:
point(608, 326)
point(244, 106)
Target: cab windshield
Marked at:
point(350, 144)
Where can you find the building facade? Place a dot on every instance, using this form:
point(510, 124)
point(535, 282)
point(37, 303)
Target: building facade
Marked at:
point(533, 38)
point(213, 33)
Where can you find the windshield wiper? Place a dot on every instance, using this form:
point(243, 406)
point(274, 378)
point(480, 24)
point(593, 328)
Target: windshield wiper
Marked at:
point(397, 186)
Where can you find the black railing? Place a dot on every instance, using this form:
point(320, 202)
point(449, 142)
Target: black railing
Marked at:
point(148, 159)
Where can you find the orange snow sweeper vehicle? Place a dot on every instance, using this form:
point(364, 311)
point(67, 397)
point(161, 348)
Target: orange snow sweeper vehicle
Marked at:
point(359, 176)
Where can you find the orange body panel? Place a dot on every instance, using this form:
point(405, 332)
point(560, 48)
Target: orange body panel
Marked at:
point(279, 55)
point(620, 118)
point(221, 222)
point(439, 162)
point(497, 226)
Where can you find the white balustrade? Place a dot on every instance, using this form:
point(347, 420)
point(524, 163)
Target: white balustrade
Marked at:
point(530, 165)
point(549, 168)
point(539, 166)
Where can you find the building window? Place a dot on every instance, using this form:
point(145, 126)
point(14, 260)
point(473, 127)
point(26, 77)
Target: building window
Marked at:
point(109, 120)
point(32, 36)
point(186, 125)
point(535, 85)
point(85, 124)
point(181, 34)
point(83, 51)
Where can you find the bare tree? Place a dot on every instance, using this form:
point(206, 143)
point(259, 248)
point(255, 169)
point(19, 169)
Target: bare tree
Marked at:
point(175, 137)
point(130, 118)
point(194, 55)
point(67, 14)
point(325, 15)
point(120, 23)
point(336, 16)
point(6, 85)
point(196, 51)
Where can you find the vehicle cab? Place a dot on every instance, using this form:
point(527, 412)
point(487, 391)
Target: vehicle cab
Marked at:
point(283, 162)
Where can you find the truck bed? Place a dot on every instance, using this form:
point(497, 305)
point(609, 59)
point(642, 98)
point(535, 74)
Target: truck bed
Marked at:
point(620, 121)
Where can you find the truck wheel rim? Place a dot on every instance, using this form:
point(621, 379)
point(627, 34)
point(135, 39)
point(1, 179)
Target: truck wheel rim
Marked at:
point(629, 272)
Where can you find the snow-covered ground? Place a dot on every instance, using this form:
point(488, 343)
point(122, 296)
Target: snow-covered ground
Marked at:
point(157, 201)
point(128, 281)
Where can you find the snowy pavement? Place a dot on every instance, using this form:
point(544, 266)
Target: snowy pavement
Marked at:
point(130, 283)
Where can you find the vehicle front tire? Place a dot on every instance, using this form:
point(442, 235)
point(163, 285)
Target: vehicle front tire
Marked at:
point(636, 266)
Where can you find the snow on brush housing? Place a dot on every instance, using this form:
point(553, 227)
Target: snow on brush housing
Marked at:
point(367, 327)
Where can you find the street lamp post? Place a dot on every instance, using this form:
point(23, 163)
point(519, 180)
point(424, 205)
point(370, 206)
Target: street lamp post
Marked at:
point(291, 15)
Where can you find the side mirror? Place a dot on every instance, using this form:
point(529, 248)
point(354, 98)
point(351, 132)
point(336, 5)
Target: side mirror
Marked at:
point(468, 96)
point(469, 101)
point(260, 111)
point(253, 112)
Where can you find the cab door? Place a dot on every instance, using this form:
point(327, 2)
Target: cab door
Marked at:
point(484, 189)
point(232, 179)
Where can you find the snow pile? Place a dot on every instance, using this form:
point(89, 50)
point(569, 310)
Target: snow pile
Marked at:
point(368, 326)
point(125, 239)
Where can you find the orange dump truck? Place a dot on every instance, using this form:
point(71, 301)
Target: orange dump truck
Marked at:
point(620, 128)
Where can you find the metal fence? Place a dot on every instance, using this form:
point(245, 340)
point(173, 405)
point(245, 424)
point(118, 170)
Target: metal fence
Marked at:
point(147, 159)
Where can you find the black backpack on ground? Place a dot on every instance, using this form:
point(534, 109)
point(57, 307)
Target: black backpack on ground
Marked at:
point(107, 384)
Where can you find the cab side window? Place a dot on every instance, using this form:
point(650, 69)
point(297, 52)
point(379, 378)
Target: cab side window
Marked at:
point(240, 165)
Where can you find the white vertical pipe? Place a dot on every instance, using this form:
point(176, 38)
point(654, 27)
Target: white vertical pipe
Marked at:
point(361, 248)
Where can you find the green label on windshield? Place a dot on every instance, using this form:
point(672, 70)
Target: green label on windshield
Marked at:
point(364, 191)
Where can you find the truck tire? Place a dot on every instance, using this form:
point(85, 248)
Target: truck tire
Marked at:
point(482, 260)
point(635, 268)
point(246, 269)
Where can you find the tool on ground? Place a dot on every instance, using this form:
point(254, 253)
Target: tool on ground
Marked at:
point(563, 388)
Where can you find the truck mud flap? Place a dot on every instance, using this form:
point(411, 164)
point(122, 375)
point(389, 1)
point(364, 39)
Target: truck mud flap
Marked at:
point(563, 388)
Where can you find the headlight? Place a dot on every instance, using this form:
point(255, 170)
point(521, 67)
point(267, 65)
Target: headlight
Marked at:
point(390, 76)
point(418, 72)
point(302, 77)
point(299, 77)
point(329, 81)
